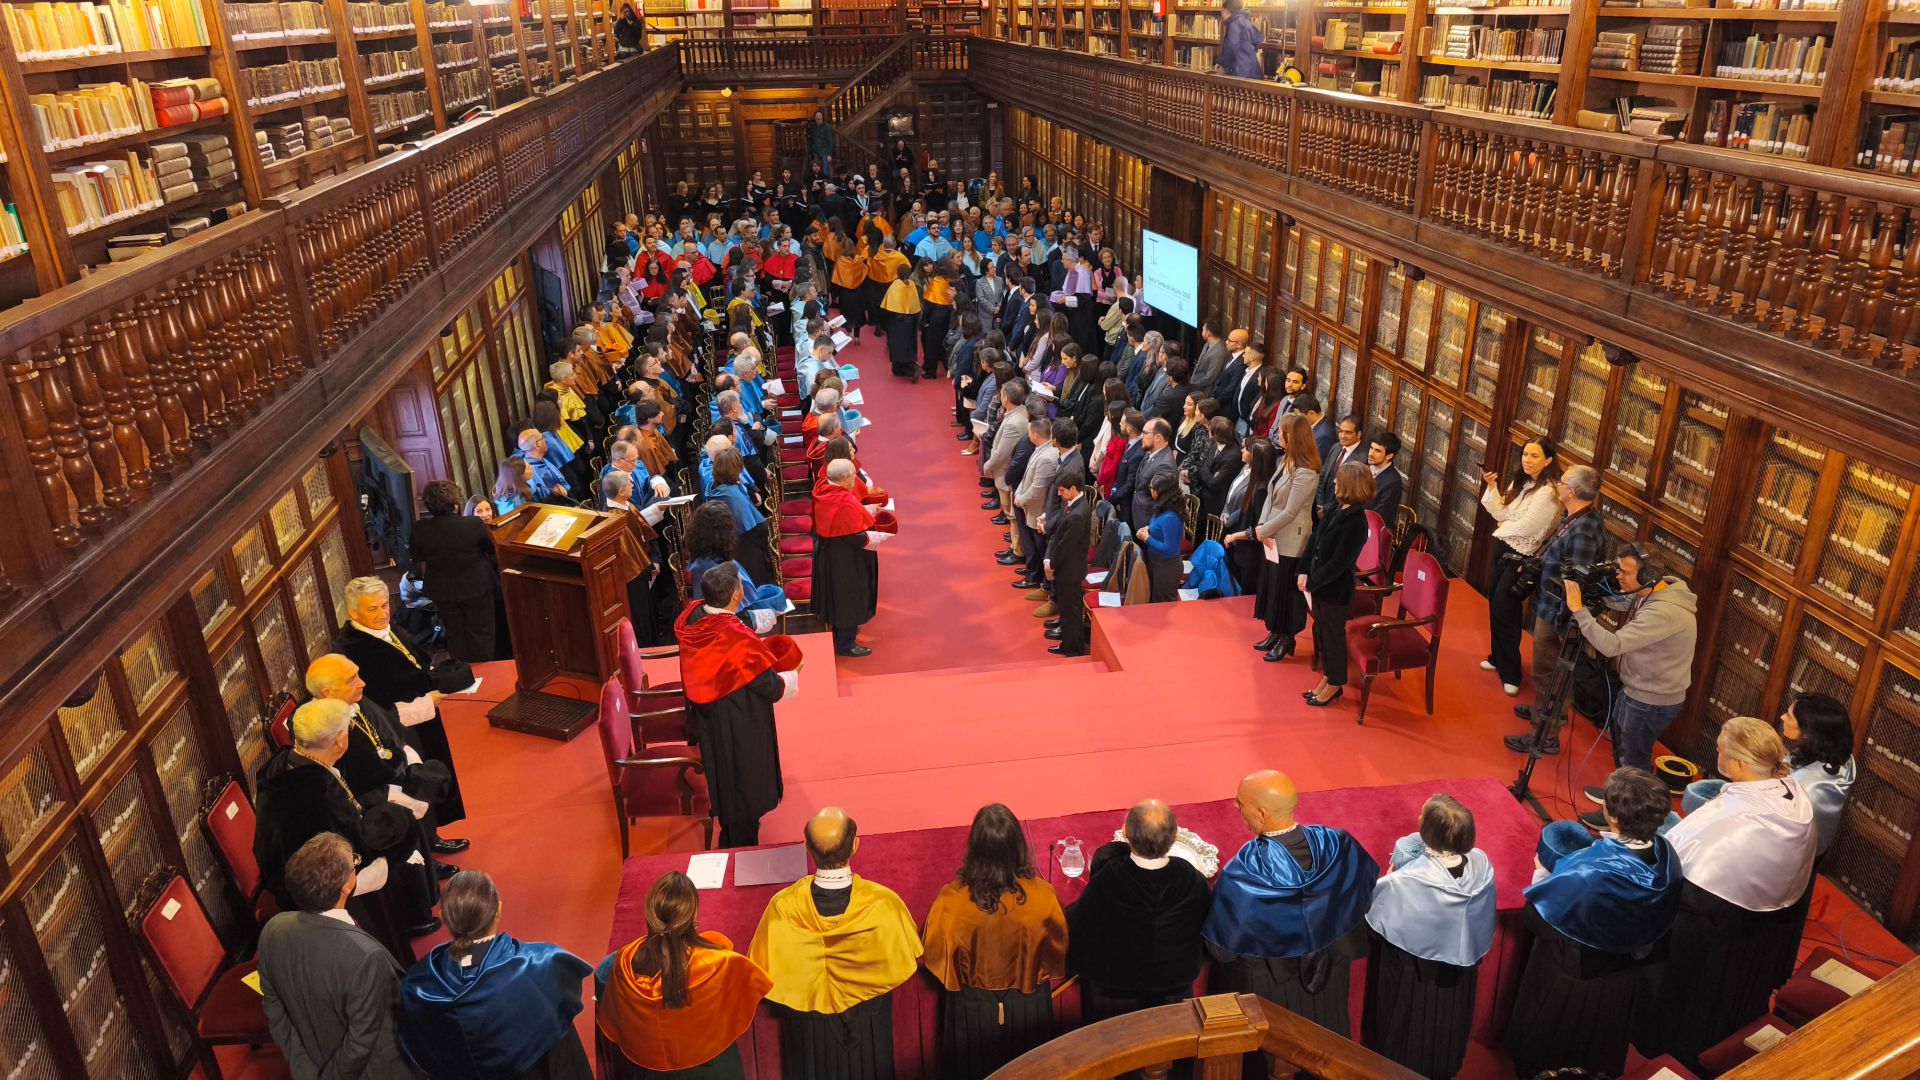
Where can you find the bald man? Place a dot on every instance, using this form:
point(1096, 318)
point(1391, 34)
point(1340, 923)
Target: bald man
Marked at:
point(377, 758)
point(1289, 911)
point(836, 945)
point(846, 572)
point(1134, 935)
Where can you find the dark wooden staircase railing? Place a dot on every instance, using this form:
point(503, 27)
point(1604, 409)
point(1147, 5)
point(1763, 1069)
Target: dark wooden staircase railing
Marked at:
point(860, 99)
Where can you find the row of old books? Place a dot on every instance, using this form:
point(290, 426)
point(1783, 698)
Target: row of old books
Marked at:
point(372, 18)
point(1760, 127)
point(55, 31)
point(1616, 50)
point(13, 238)
point(1472, 41)
point(1789, 58)
point(390, 112)
point(283, 142)
point(296, 20)
point(1900, 67)
point(453, 54)
point(1672, 49)
point(271, 84)
point(96, 112)
point(1891, 144)
point(467, 86)
point(93, 194)
point(384, 65)
point(446, 16)
point(1509, 97)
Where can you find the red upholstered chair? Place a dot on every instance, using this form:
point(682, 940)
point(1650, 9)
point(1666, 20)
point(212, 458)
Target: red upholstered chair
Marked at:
point(1732, 1051)
point(798, 524)
point(225, 1010)
point(1373, 569)
point(800, 505)
point(1648, 1069)
point(1378, 645)
point(228, 821)
point(657, 711)
point(661, 780)
point(1803, 998)
point(799, 544)
point(279, 721)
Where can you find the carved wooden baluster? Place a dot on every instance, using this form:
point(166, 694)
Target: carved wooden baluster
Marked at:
point(1810, 285)
point(1760, 257)
point(1734, 233)
point(1466, 179)
point(206, 361)
point(171, 344)
point(1580, 190)
point(63, 423)
point(254, 324)
point(1688, 234)
point(323, 271)
point(229, 355)
point(141, 391)
point(102, 363)
point(1666, 228)
point(1849, 267)
point(249, 370)
point(279, 312)
point(1485, 188)
point(1539, 180)
point(1613, 240)
point(1710, 250)
point(1893, 223)
point(1793, 242)
point(1446, 140)
point(1510, 181)
point(1906, 300)
point(1406, 170)
point(37, 431)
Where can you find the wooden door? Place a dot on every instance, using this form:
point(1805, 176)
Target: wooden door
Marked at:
point(760, 150)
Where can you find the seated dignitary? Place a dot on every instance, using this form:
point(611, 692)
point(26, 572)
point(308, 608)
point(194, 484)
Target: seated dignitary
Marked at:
point(1433, 921)
point(676, 1002)
point(1289, 909)
point(1595, 910)
point(836, 945)
point(1133, 937)
point(488, 1006)
point(378, 766)
point(301, 795)
point(1747, 861)
point(996, 940)
point(329, 989)
point(732, 678)
point(400, 676)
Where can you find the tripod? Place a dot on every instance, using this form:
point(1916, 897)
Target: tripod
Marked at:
point(1552, 704)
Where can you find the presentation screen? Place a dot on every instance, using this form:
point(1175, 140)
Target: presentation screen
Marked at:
point(1171, 272)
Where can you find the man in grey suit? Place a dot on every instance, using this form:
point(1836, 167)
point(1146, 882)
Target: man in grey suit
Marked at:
point(1212, 360)
point(1030, 501)
point(330, 991)
point(1159, 463)
point(1006, 438)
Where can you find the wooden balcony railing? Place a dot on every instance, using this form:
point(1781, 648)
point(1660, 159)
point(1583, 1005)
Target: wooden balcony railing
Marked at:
point(125, 385)
point(854, 103)
point(746, 61)
point(1800, 265)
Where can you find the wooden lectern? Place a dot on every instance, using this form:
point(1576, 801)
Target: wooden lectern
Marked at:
point(564, 573)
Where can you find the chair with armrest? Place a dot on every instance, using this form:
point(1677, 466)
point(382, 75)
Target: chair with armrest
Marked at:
point(640, 776)
point(229, 822)
point(1379, 645)
point(656, 711)
point(224, 1010)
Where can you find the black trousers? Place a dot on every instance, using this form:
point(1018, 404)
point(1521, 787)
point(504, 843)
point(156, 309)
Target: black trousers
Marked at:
point(1330, 640)
point(1505, 615)
point(933, 338)
point(470, 627)
point(739, 834)
point(1033, 546)
point(1071, 602)
point(845, 637)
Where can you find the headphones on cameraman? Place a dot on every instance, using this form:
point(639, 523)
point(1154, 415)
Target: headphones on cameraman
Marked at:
point(1649, 572)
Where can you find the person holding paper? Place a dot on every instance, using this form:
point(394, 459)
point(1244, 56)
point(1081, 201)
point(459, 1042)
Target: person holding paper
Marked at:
point(378, 760)
point(836, 945)
point(454, 554)
point(1285, 523)
point(677, 1001)
point(733, 677)
point(846, 572)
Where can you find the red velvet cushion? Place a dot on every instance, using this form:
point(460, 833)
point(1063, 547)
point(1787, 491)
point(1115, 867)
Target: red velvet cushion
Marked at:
point(793, 455)
point(1804, 997)
point(1647, 1069)
point(797, 506)
point(796, 523)
point(794, 474)
point(795, 569)
point(1731, 1051)
point(797, 545)
point(799, 590)
point(233, 1010)
point(1394, 651)
point(655, 791)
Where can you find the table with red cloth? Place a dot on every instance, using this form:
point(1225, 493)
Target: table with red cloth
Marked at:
point(917, 863)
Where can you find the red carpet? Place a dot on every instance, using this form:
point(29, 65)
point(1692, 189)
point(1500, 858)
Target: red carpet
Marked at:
point(960, 705)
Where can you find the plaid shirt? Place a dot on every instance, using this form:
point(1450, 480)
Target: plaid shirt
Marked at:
point(1581, 539)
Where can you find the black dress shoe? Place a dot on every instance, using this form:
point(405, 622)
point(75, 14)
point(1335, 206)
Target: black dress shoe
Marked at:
point(1054, 634)
point(965, 436)
point(1279, 652)
point(1053, 624)
point(1338, 692)
point(425, 928)
point(444, 846)
point(1524, 712)
point(999, 519)
point(1266, 643)
point(443, 870)
point(1060, 650)
point(994, 505)
point(857, 650)
point(1027, 583)
point(1003, 553)
point(1009, 560)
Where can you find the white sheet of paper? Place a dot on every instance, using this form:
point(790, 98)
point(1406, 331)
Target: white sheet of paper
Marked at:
point(1041, 389)
point(1271, 550)
point(653, 514)
point(841, 340)
point(788, 608)
point(979, 427)
point(775, 387)
point(836, 322)
point(677, 500)
point(707, 869)
point(854, 397)
point(889, 507)
point(1097, 577)
point(1189, 594)
point(776, 308)
point(1071, 300)
point(875, 539)
point(474, 689)
point(1110, 599)
point(1186, 566)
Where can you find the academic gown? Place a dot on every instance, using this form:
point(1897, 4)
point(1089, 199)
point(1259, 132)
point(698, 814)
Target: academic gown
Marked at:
point(1431, 926)
point(732, 679)
point(505, 1015)
point(369, 775)
point(695, 1041)
point(846, 573)
point(836, 956)
point(997, 969)
point(1134, 934)
point(1594, 922)
point(298, 799)
point(393, 676)
point(1288, 921)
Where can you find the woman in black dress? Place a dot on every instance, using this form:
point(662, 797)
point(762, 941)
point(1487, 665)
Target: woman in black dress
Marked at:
point(1326, 575)
point(1245, 497)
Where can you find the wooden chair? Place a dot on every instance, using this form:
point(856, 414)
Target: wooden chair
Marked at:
point(656, 711)
point(278, 720)
point(639, 777)
point(228, 821)
point(225, 1011)
point(1378, 645)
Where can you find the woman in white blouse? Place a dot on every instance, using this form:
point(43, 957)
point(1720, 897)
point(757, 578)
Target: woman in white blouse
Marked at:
point(1524, 512)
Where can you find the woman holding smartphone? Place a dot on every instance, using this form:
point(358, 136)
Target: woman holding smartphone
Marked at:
point(1524, 513)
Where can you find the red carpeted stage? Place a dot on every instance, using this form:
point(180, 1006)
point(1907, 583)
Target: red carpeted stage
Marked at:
point(961, 705)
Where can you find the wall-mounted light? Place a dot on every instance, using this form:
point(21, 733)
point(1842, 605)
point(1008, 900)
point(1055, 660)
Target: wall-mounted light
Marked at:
point(726, 91)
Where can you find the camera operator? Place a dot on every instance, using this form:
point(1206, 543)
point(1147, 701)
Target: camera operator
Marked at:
point(1654, 647)
point(1579, 541)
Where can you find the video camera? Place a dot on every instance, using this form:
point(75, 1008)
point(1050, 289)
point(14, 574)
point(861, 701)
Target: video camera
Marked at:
point(1600, 576)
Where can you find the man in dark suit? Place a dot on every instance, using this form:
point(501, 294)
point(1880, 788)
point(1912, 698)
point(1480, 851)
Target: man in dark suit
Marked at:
point(1128, 474)
point(1012, 306)
point(1171, 403)
point(1324, 434)
point(1022, 326)
point(1212, 361)
point(1346, 447)
point(330, 991)
point(1226, 384)
point(1068, 538)
point(1157, 469)
point(453, 556)
point(1386, 478)
point(398, 671)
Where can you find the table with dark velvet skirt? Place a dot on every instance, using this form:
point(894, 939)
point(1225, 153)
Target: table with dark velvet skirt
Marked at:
point(917, 863)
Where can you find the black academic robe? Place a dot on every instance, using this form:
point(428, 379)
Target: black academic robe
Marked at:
point(393, 677)
point(1418, 1011)
point(1135, 933)
point(1715, 979)
point(846, 580)
point(854, 1044)
point(741, 749)
point(1575, 1006)
point(298, 799)
point(370, 776)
